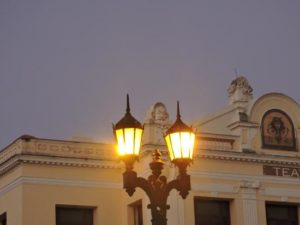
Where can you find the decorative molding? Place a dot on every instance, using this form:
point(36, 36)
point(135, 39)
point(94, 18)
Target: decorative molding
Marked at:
point(69, 149)
point(217, 139)
point(14, 149)
point(208, 141)
point(214, 188)
point(249, 189)
point(251, 157)
point(239, 124)
point(74, 162)
point(55, 161)
point(216, 135)
point(282, 192)
point(242, 177)
point(216, 143)
point(72, 149)
point(267, 97)
point(12, 163)
point(55, 152)
point(62, 182)
point(250, 184)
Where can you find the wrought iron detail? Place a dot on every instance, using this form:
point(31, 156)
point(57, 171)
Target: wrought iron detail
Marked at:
point(156, 186)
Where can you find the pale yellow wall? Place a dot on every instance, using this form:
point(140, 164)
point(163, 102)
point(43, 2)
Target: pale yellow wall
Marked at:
point(225, 166)
point(40, 201)
point(72, 173)
point(219, 124)
point(40, 188)
point(11, 202)
point(11, 196)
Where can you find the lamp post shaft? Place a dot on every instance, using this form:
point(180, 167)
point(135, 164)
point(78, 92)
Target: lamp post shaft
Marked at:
point(158, 218)
point(156, 186)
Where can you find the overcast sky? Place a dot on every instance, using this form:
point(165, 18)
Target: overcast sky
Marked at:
point(66, 65)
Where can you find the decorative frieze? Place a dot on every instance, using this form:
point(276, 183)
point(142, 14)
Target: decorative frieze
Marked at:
point(69, 149)
point(55, 152)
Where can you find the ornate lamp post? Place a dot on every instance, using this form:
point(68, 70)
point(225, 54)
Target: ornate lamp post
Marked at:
point(180, 142)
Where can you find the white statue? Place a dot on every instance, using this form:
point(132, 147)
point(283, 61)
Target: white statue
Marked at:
point(156, 123)
point(239, 90)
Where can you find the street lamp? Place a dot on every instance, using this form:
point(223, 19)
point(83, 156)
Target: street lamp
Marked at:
point(180, 143)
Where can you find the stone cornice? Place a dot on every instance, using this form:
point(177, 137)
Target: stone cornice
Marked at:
point(68, 149)
point(27, 149)
point(57, 161)
point(248, 157)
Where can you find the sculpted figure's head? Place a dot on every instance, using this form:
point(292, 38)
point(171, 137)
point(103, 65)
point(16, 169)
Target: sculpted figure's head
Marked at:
point(158, 114)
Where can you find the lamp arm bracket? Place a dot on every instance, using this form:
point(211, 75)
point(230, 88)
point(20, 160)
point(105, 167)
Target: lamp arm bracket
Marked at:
point(143, 183)
point(182, 184)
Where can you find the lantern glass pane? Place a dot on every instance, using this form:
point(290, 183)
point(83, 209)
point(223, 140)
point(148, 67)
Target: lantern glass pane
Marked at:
point(169, 146)
point(185, 144)
point(138, 138)
point(129, 140)
point(192, 142)
point(121, 142)
point(180, 145)
point(175, 141)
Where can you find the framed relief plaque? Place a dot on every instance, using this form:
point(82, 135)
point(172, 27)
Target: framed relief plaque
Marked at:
point(278, 131)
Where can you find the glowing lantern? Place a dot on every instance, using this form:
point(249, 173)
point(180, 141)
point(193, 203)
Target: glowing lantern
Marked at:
point(180, 140)
point(128, 132)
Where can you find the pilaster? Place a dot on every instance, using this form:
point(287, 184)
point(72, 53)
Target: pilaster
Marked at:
point(248, 190)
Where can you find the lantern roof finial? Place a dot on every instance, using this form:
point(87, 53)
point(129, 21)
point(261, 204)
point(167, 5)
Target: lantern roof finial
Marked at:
point(127, 104)
point(178, 126)
point(178, 110)
point(128, 121)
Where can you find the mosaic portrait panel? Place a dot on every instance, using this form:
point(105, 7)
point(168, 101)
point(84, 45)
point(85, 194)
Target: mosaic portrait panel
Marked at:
point(278, 131)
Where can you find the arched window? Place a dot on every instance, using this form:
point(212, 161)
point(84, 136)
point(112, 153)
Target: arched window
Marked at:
point(277, 131)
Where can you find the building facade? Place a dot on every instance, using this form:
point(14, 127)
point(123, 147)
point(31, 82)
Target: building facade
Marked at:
point(246, 171)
